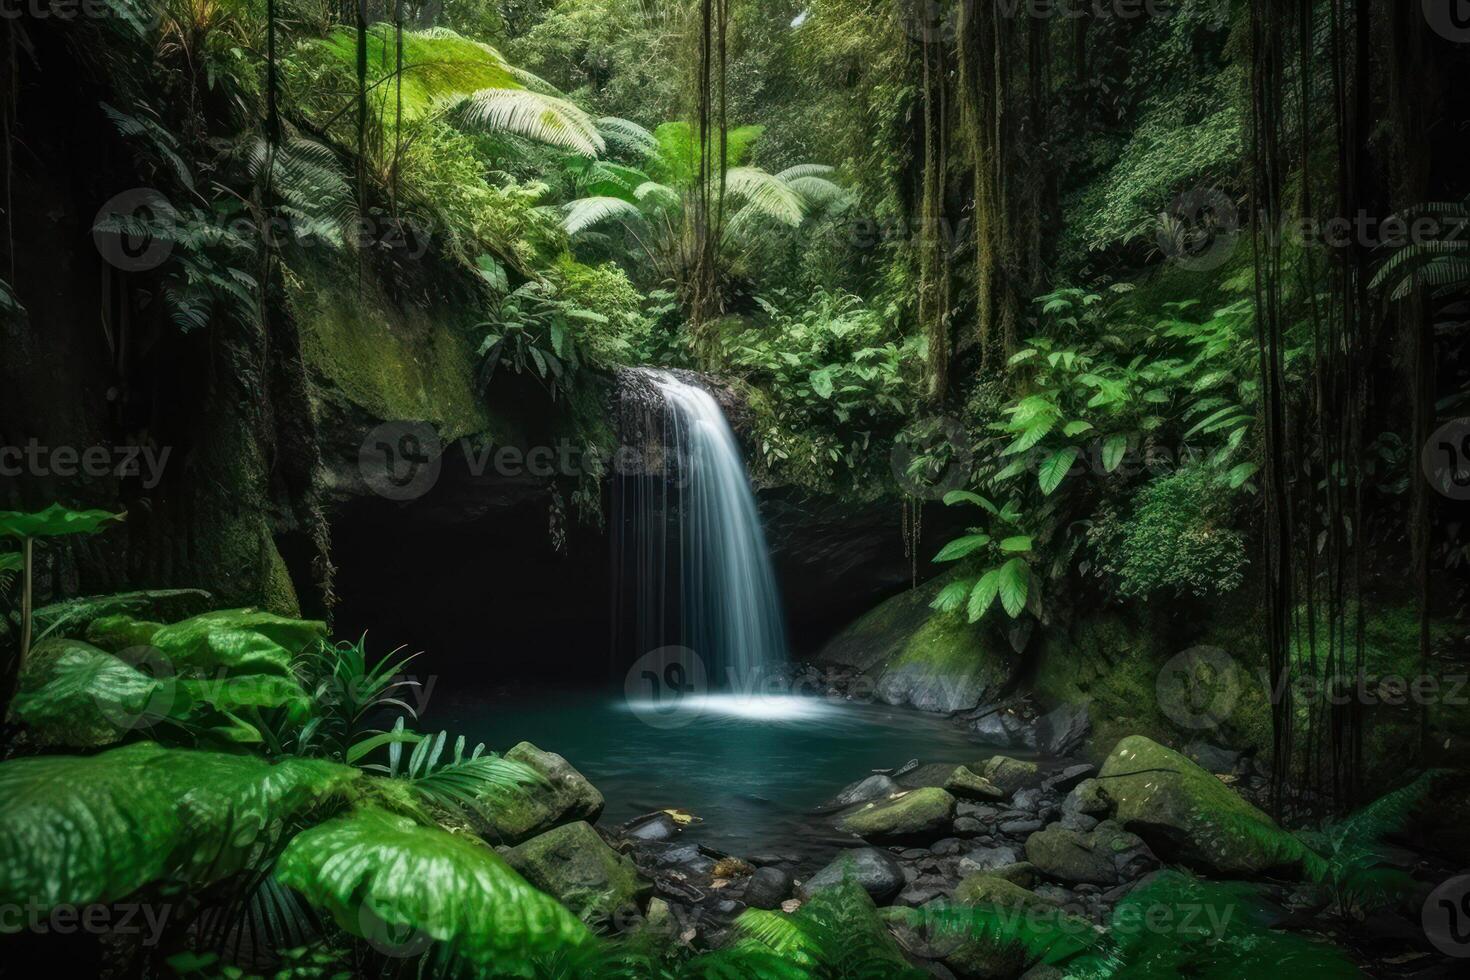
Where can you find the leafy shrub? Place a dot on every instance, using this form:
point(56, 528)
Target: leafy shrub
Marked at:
point(836, 384)
point(605, 290)
point(1177, 538)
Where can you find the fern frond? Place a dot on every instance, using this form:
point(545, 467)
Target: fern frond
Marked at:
point(591, 211)
point(530, 114)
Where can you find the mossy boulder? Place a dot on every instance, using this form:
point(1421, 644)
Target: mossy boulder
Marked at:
point(874, 871)
point(987, 958)
point(564, 797)
point(383, 361)
point(575, 865)
point(958, 781)
point(989, 888)
point(1105, 856)
point(1009, 775)
point(1190, 816)
point(918, 814)
point(122, 632)
point(915, 655)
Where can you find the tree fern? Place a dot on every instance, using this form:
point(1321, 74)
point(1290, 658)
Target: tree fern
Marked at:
point(530, 114)
point(590, 212)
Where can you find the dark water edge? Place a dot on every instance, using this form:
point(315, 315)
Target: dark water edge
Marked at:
point(752, 770)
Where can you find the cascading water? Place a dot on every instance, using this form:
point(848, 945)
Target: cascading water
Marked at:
point(695, 566)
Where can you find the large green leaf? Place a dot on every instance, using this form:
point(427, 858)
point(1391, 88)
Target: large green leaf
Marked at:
point(984, 594)
point(54, 521)
point(966, 496)
point(72, 693)
point(237, 641)
point(1055, 467)
point(1015, 583)
point(78, 830)
point(960, 547)
point(75, 694)
point(1112, 453)
point(375, 871)
point(952, 596)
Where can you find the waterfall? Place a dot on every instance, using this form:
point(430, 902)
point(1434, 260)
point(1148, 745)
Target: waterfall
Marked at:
point(695, 567)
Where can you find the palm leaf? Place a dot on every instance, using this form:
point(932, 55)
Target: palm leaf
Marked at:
point(592, 211)
point(530, 114)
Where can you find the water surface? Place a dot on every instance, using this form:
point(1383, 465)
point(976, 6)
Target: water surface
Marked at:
point(752, 769)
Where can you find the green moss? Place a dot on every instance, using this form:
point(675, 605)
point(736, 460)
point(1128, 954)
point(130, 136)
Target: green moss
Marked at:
point(1187, 814)
point(278, 593)
point(387, 359)
point(915, 814)
point(934, 660)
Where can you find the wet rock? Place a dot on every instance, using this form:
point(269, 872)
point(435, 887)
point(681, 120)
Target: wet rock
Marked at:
point(657, 827)
point(989, 889)
point(573, 864)
point(877, 872)
point(968, 826)
point(1016, 828)
point(1026, 799)
point(1067, 780)
point(980, 812)
point(987, 958)
point(767, 888)
point(948, 845)
point(686, 857)
point(1132, 858)
point(1089, 797)
point(1188, 815)
point(565, 797)
point(1062, 730)
point(766, 860)
point(918, 814)
point(1105, 856)
point(1010, 774)
point(964, 783)
point(1212, 757)
point(1021, 873)
point(1004, 727)
point(987, 859)
point(1080, 822)
point(875, 787)
point(921, 892)
point(931, 660)
point(658, 919)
